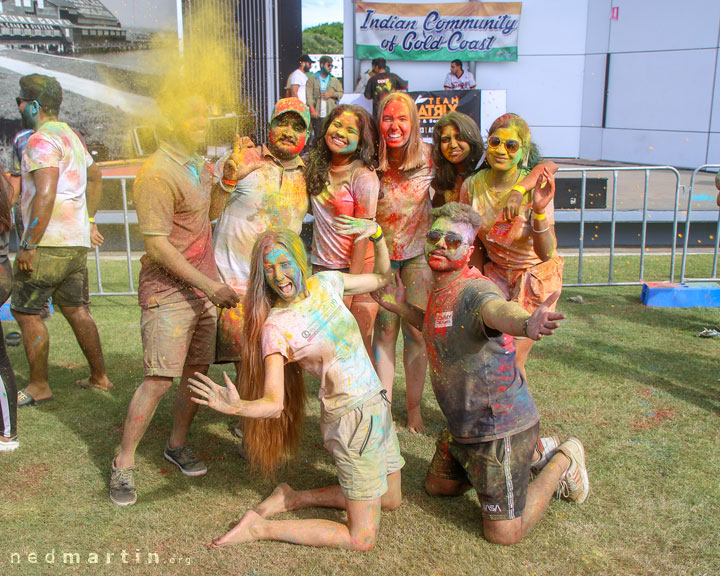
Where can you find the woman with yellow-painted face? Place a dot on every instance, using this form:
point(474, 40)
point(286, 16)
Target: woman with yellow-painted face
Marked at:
point(516, 243)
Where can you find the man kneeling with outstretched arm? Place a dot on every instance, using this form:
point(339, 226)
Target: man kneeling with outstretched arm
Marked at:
point(492, 434)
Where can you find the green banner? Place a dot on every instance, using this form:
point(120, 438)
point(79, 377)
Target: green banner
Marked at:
point(495, 55)
point(474, 31)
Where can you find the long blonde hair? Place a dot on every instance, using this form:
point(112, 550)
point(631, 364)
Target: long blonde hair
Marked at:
point(413, 152)
point(269, 442)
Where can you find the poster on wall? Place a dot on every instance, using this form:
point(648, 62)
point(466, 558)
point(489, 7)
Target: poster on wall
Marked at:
point(486, 31)
point(434, 105)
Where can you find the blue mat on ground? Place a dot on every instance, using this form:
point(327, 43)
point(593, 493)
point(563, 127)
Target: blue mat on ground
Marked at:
point(670, 295)
point(6, 315)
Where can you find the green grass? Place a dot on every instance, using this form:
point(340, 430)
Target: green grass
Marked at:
point(634, 383)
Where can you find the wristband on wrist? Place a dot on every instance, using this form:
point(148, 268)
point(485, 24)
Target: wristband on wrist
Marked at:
point(227, 185)
point(537, 216)
point(92, 220)
point(519, 188)
point(541, 231)
point(378, 234)
point(525, 327)
point(26, 246)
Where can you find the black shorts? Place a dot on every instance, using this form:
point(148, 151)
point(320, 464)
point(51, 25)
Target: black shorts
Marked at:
point(499, 470)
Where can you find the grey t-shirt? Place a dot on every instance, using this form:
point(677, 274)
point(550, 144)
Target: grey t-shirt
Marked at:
point(476, 382)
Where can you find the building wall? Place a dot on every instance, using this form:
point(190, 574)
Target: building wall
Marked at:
point(663, 81)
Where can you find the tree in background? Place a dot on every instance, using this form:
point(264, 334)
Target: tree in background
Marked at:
point(323, 39)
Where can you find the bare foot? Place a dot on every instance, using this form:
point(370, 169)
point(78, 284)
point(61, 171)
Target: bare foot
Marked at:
point(415, 422)
point(281, 500)
point(104, 385)
point(240, 534)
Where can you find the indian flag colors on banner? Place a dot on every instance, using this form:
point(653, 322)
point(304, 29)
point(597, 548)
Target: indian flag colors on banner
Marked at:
point(485, 31)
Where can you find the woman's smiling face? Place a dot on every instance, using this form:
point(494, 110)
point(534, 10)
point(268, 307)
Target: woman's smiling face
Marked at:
point(499, 157)
point(282, 273)
point(343, 134)
point(395, 124)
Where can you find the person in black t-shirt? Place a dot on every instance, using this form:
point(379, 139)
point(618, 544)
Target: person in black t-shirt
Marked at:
point(383, 82)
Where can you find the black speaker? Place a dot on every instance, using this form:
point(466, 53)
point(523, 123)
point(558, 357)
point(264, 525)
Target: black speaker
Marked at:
point(567, 193)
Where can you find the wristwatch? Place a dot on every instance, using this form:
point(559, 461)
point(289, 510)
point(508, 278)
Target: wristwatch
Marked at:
point(25, 246)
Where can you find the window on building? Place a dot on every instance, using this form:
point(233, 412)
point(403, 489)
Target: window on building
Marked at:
point(27, 3)
point(41, 4)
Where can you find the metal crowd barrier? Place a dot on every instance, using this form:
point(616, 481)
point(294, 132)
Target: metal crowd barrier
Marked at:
point(687, 230)
point(646, 170)
point(106, 218)
point(582, 215)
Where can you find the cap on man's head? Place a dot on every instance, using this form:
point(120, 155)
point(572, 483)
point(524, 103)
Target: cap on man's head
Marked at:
point(296, 105)
point(306, 58)
point(44, 89)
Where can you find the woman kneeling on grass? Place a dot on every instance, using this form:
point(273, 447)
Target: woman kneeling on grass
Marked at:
point(295, 322)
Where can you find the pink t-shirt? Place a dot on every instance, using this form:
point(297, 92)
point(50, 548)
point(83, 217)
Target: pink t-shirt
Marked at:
point(403, 209)
point(489, 204)
point(353, 191)
point(321, 335)
point(55, 145)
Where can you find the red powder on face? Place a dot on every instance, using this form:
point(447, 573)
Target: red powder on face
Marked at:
point(300, 145)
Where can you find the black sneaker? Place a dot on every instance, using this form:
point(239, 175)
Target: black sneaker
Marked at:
point(184, 459)
point(122, 485)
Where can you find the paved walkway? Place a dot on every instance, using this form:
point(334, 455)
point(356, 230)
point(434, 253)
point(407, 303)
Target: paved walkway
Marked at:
point(131, 103)
point(661, 186)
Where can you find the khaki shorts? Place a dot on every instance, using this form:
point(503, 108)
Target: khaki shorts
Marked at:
point(58, 272)
point(528, 287)
point(178, 334)
point(365, 447)
point(229, 333)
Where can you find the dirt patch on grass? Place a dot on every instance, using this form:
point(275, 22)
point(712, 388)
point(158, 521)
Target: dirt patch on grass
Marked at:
point(655, 418)
point(29, 483)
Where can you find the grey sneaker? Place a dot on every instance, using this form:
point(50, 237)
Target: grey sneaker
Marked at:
point(122, 485)
point(574, 485)
point(184, 459)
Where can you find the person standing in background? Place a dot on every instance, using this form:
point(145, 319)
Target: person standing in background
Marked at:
point(458, 79)
point(383, 82)
point(58, 174)
point(296, 84)
point(323, 93)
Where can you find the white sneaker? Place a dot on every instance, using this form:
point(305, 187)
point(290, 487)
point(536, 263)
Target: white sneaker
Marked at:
point(545, 449)
point(9, 446)
point(574, 484)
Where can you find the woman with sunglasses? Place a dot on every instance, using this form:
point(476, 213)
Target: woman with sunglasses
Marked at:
point(404, 213)
point(298, 321)
point(526, 267)
point(341, 180)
